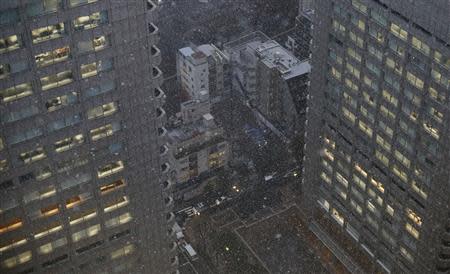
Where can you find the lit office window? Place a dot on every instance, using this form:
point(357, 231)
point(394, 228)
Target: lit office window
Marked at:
point(52, 57)
point(10, 225)
point(16, 92)
point(420, 46)
point(399, 31)
point(96, 44)
point(110, 169)
point(104, 131)
point(17, 260)
point(33, 156)
point(90, 21)
point(47, 33)
point(69, 143)
point(39, 195)
point(116, 204)
point(102, 111)
point(86, 233)
point(51, 246)
point(56, 80)
point(50, 229)
point(10, 43)
point(126, 250)
point(92, 69)
point(61, 101)
point(118, 220)
point(112, 186)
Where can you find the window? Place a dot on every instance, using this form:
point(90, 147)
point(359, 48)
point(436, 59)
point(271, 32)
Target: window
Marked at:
point(399, 32)
point(104, 131)
point(75, 180)
point(86, 233)
point(112, 186)
point(394, 65)
point(33, 156)
point(369, 99)
point(335, 57)
point(24, 135)
point(390, 98)
point(103, 87)
point(126, 250)
point(52, 57)
point(3, 165)
point(51, 246)
point(11, 68)
point(102, 111)
point(414, 80)
point(338, 27)
point(71, 164)
point(47, 33)
point(377, 34)
point(419, 189)
point(110, 169)
point(337, 216)
point(400, 173)
point(383, 143)
point(90, 21)
point(9, 16)
point(40, 7)
point(380, 156)
point(116, 204)
point(16, 92)
point(352, 53)
point(336, 73)
point(20, 114)
point(10, 225)
point(440, 78)
point(64, 122)
point(356, 39)
point(349, 115)
point(444, 61)
point(378, 17)
point(352, 70)
point(437, 96)
point(50, 229)
point(420, 46)
point(79, 217)
point(61, 101)
point(358, 23)
point(365, 128)
point(119, 220)
point(68, 143)
point(10, 43)
point(412, 230)
point(17, 260)
point(397, 48)
point(92, 69)
point(57, 80)
point(375, 52)
point(359, 6)
point(39, 195)
point(370, 83)
point(402, 159)
point(77, 200)
point(97, 44)
point(13, 244)
point(74, 3)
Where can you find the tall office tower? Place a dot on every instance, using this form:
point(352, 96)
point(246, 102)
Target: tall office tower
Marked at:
point(376, 178)
point(82, 179)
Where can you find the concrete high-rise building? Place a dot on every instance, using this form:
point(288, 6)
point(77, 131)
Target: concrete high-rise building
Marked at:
point(273, 81)
point(203, 68)
point(377, 146)
point(83, 169)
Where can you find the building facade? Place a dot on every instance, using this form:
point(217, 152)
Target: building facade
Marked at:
point(203, 68)
point(83, 171)
point(377, 143)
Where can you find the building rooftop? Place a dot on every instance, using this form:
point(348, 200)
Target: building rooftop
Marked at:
point(188, 131)
point(273, 55)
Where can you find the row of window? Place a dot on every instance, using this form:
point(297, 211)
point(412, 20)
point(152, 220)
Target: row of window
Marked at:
point(56, 80)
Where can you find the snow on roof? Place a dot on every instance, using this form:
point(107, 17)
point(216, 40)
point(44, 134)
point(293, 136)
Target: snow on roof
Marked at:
point(187, 51)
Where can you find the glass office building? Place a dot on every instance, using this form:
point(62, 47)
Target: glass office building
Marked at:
point(83, 171)
point(376, 175)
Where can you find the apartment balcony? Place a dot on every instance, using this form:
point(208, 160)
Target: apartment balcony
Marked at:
point(160, 113)
point(160, 96)
point(167, 185)
point(157, 76)
point(163, 150)
point(168, 201)
point(162, 131)
point(172, 246)
point(151, 11)
point(156, 55)
point(153, 33)
point(170, 217)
